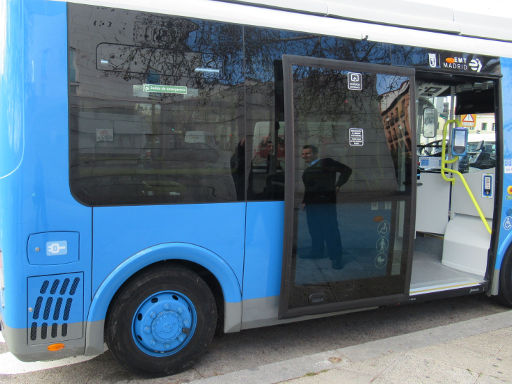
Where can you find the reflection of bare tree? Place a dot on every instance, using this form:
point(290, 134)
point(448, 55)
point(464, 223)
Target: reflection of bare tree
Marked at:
point(410, 55)
point(324, 109)
point(325, 93)
point(135, 146)
point(174, 51)
point(233, 75)
point(322, 96)
point(264, 46)
point(355, 50)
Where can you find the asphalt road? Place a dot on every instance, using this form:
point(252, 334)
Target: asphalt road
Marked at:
point(252, 348)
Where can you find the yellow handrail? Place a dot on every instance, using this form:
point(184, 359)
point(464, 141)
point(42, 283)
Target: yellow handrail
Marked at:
point(444, 169)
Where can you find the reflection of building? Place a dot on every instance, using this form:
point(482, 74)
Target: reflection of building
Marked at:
point(483, 123)
point(394, 107)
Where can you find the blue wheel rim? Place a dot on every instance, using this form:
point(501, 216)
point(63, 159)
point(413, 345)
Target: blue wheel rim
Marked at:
point(164, 323)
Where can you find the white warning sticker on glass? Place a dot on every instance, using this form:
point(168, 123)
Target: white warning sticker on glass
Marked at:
point(355, 81)
point(356, 137)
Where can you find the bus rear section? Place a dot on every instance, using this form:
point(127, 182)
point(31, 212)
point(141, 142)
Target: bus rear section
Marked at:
point(45, 236)
point(117, 183)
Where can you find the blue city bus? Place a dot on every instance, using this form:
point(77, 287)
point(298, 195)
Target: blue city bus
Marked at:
point(170, 171)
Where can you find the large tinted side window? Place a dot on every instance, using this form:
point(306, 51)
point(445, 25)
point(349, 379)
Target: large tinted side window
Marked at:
point(265, 106)
point(264, 49)
point(156, 110)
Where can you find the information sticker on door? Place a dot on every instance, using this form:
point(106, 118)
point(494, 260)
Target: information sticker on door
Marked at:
point(355, 81)
point(356, 137)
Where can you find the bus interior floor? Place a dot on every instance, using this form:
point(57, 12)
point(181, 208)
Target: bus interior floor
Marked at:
point(430, 275)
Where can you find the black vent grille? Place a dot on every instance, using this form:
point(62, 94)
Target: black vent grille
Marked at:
point(55, 302)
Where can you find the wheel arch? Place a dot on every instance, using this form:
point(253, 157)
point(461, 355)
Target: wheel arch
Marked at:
point(215, 271)
point(502, 280)
point(504, 249)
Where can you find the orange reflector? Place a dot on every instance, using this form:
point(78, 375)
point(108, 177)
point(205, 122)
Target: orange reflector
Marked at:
point(56, 347)
point(378, 219)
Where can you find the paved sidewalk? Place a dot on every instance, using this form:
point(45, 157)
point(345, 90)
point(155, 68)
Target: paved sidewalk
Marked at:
point(475, 351)
point(484, 358)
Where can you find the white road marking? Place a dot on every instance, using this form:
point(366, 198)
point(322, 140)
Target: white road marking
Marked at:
point(10, 365)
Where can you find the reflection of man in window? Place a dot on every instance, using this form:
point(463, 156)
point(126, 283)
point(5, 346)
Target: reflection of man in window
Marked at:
point(322, 180)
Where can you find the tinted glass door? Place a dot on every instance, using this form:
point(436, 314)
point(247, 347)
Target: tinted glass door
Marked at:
point(349, 184)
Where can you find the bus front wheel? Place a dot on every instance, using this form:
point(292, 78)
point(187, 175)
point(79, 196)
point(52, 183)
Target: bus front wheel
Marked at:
point(505, 292)
point(161, 321)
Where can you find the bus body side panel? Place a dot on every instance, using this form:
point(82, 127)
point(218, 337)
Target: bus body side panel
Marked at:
point(127, 239)
point(263, 263)
point(505, 237)
point(11, 155)
point(46, 289)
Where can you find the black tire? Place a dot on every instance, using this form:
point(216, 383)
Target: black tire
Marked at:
point(161, 321)
point(505, 291)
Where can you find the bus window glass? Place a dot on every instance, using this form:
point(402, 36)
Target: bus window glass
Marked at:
point(155, 108)
point(264, 49)
point(352, 138)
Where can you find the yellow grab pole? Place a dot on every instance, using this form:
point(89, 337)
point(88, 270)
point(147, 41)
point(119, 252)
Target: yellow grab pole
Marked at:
point(443, 153)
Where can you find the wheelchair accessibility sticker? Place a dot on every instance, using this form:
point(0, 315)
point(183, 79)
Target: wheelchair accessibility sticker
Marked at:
point(380, 260)
point(383, 228)
point(507, 223)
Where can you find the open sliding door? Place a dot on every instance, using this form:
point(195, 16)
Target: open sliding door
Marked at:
point(349, 188)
